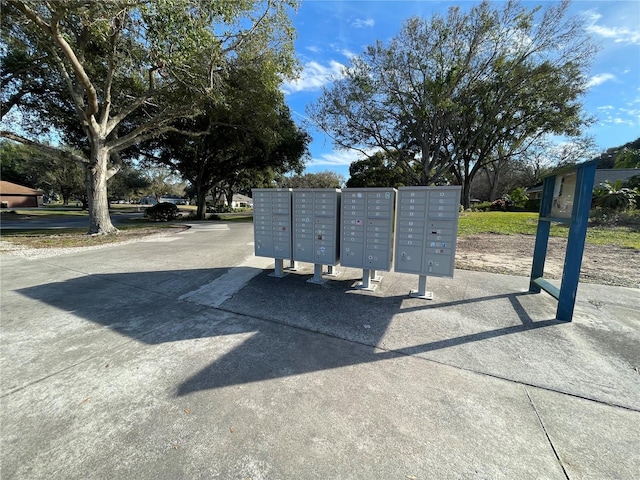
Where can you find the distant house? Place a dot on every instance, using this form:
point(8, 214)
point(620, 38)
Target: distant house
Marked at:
point(13, 195)
point(175, 199)
point(240, 201)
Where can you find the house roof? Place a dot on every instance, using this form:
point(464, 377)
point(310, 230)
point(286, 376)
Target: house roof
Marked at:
point(602, 175)
point(8, 188)
point(614, 174)
point(238, 197)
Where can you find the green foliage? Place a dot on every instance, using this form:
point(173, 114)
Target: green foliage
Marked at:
point(326, 179)
point(613, 196)
point(624, 156)
point(379, 170)
point(251, 133)
point(519, 197)
point(627, 158)
point(13, 164)
point(56, 176)
point(505, 223)
point(162, 212)
point(110, 75)
point(532, 205)
point(129, 182)
point(451, 94)
point(482, 207)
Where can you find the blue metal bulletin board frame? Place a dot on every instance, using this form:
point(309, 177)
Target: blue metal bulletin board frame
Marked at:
point(577, 221)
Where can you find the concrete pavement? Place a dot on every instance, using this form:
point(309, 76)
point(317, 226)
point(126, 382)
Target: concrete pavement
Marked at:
point(180, 357)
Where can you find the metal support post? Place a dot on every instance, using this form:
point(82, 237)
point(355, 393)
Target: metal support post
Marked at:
point(575, 244)
point(278, 270)
point(317, 275)
point(422, 289)
point(365, 284)
point(331, 272)
point(542, 235)
point(375, 277)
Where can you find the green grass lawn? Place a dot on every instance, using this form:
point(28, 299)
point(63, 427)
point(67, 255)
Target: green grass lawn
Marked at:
point(526, 223)
point(471, 223)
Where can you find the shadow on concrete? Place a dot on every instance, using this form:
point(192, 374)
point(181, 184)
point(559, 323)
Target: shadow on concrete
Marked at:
point(146, 306)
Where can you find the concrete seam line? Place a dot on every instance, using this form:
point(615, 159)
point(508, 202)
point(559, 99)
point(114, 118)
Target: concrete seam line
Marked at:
point(553, 448)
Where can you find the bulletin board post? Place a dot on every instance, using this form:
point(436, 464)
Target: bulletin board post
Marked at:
point(566, 198)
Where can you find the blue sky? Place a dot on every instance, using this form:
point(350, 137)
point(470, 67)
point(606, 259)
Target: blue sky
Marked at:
point(330, 32)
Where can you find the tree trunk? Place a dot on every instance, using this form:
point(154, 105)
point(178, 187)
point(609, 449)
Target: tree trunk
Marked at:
point(493, 192)
point(201, 202)
point(466, 194)
point(96, 183)
point(229, 197)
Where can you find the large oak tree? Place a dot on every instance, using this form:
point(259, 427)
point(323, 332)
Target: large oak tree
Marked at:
point(116, 73)
point(251, 130)
point(447, 92)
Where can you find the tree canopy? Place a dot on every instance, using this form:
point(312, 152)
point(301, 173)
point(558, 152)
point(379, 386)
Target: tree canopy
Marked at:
point(252, 130)
point(326, 179)
point(450, 93)
point(110, 75)
point(378, 170)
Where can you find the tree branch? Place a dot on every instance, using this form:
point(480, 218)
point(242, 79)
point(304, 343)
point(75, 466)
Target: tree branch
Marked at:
point(47, 149)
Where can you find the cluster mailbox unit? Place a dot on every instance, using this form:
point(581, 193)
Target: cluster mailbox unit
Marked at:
point(272, 225)
point(426, 232)
point(316, 213)
point(356, 227)
point(367, 230)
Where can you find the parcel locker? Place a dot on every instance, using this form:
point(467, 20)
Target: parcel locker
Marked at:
point(426, 230)
point(366, 239)
point(316, 225)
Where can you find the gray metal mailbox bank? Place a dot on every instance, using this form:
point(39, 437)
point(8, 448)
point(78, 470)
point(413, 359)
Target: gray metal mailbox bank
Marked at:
point(426, 232)
point(367, 229)
point(272, 224)
point(316, 228)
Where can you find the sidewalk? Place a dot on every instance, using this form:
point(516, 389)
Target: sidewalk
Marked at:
point(182, 358)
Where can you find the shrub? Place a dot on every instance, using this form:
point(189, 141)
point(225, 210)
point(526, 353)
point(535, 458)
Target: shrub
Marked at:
point(498, 205)
point(532, 205)
point(613, 196)
point(162, 212)
point(482, 207)
point(519, 197)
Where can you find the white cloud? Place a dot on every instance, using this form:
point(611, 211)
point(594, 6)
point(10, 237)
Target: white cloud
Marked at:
point(606, 107)
point(314, 76)
point(347, 53)
point(363, 22)
point(339, 158)
point(600, 79)
point(617, 34)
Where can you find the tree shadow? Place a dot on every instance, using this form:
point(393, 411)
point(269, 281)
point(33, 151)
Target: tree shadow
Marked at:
point(297, 328)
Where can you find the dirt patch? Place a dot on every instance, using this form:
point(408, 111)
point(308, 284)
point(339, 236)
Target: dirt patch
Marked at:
point(513, 255)
point(45, 246)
